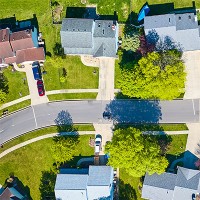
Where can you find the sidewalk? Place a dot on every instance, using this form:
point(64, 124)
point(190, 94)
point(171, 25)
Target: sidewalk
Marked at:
point(41, 138)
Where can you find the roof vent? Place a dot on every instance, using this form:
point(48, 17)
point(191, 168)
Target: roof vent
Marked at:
point(179, 18)
point(108, 25)
point(103, 31)
point(99, 24)
point(84, 29)
point(189, 16)
point(73, 29)
point(169, 20)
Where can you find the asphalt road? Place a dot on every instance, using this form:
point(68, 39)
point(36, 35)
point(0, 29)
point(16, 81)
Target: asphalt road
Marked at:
point(122, 111)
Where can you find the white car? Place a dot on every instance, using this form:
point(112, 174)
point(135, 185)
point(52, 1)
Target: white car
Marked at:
point(98, 141)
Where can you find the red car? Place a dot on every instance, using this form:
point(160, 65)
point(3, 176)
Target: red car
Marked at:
point(40, 87)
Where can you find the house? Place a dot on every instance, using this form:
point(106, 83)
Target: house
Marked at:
point(20, 46)
point(185, 185)
point(85, 184)
point(98, 38)
point(11, 193)
point(177, 27)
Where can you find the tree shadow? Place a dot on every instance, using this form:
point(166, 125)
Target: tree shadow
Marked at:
point(47, 184)
point(126, 191)
point(4, 83)
point(58, 50)
point(64, 122)
point(130, 111)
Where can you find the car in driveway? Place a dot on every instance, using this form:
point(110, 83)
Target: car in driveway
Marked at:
point(36, 71)
point(98, 141)
point(40, 87)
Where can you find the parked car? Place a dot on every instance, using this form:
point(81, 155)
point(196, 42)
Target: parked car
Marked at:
point(40, 87)
point(36, 71)
point(106, 115)
point(98, 141)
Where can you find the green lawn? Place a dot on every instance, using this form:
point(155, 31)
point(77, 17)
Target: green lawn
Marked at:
point(79, 76)
point(16, 84)
point(128, 187)
point(17, 106)
point(28, 162)
point(177, 147)
point(43, 131)
point(55, 97)
point(156, 127)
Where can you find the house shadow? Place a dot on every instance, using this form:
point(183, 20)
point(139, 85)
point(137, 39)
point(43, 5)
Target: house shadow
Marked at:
point(167, 8)
point(130, 111)
point(190, 159)
point(88, 13)
point(127, 192)
point(9, 22)
point(47, 184)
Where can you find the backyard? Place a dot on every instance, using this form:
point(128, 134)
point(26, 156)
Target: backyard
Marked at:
point(29, 162)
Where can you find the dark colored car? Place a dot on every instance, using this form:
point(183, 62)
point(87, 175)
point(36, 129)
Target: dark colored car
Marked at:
point(36, 71)
point(106, 115)
point(40, 87)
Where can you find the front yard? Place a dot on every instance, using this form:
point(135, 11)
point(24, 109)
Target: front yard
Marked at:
point(78, 75)
point(17, 84)
point(29, 162)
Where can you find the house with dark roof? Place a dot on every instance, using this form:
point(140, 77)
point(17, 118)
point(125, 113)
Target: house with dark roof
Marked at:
point(180, 27)
point(85, 184)
point(11, 193)
point(185, 185)
point(20, 46)
point(98, 38)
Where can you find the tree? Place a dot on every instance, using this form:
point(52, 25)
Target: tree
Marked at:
point(64, 148)
point(131, 42)
point(136, 153)
point(2, 97)
point(159, 75)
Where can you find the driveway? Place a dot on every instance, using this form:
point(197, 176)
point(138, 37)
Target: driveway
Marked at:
point(32, 84)
point(106, 79)
point(192, 62)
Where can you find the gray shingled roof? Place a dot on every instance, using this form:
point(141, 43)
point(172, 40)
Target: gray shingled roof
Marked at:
point(71, 182)
point(182, 28)
point(172, 186)
point(103, 28)
point(188, 178)
point(86, 36)
point(165, 180)
point(100, 175)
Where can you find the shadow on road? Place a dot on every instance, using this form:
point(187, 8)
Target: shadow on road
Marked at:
point(127, 111)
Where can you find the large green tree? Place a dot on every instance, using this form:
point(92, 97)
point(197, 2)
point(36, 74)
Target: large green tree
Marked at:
point(159, 75)
point(64, 148)
point(131, 42)
point(136, 153)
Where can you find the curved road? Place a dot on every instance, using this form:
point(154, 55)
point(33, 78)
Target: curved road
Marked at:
point(122, 111)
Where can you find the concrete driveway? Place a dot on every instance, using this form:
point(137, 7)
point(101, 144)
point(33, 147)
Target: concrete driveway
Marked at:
point(106, 79)
point(192, 62)
point(32, 84)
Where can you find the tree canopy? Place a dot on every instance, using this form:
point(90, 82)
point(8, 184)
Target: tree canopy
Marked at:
point(136, 153)
point(2, 97)
point(159, 75)
point(64, 148)
point(131, 42)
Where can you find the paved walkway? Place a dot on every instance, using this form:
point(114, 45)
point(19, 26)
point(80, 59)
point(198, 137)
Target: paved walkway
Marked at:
point(11, 103)
point(41, 138)
point(106, 79)
point(166, 132)
point(69, 91)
